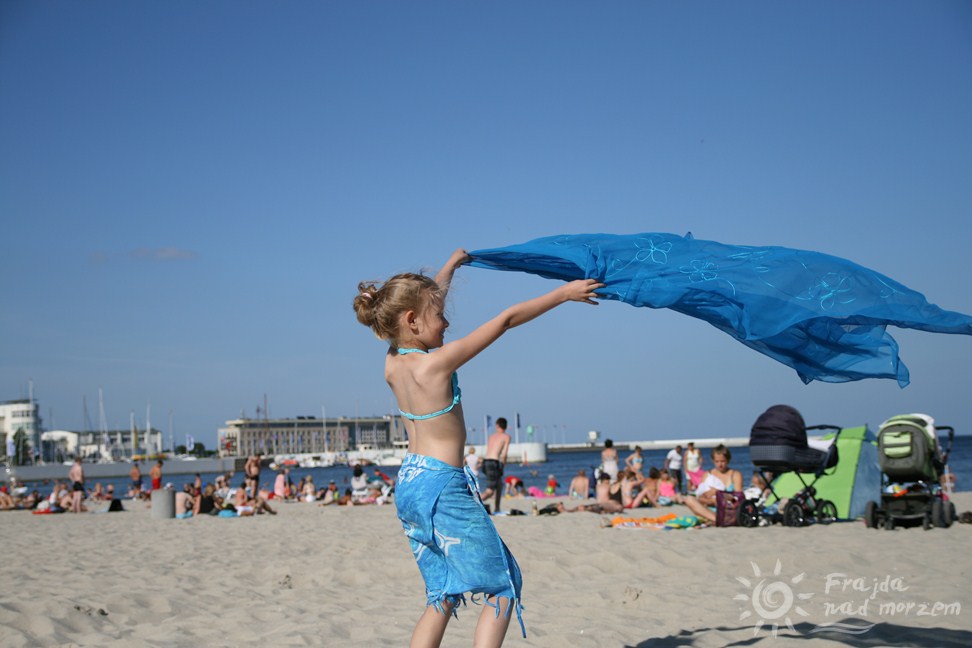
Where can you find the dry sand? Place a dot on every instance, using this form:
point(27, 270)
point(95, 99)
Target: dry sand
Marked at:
point(314, 576)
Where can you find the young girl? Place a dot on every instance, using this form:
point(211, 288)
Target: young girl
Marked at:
point(454, 542)
point(667, 489)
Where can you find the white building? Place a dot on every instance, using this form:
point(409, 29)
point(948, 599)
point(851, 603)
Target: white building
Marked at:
point(19, 416)
point(308, 435)
point(60, 444)
point(120, 445)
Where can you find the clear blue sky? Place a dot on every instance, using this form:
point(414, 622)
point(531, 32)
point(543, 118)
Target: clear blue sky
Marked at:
point(190, 192)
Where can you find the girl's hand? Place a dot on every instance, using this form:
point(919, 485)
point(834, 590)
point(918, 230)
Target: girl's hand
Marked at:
point(459, 257)
point(582, 290)
point(444, 277)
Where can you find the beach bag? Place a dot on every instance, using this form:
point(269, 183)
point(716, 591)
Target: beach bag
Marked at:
point(727, 508)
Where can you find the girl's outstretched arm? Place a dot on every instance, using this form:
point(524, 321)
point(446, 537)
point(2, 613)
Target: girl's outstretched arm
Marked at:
point(457, 353)
point(444, 276)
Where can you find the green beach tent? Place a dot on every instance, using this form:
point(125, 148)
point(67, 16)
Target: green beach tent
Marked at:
point(852, 483)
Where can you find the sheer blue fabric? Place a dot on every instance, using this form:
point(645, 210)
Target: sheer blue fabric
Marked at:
point(824, 316)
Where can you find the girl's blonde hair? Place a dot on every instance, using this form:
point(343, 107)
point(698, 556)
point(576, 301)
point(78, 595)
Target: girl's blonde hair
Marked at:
point(379, 307)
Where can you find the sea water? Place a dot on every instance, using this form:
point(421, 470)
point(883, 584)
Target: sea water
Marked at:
point(562, 465)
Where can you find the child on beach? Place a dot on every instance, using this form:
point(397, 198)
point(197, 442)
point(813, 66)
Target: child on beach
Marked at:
point(452, 537)
point(667, 489)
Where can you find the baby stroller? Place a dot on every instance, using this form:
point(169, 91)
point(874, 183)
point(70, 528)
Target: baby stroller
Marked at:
point(778, 444)
point(912, 463)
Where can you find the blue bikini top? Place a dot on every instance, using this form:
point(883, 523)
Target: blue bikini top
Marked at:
point(456, 394)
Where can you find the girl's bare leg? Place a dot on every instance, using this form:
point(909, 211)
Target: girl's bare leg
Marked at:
point(431, 626)
point(699, 509)
point(491, 629)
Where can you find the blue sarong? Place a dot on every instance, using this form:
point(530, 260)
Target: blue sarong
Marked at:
point(823, 316)
point(454, 541)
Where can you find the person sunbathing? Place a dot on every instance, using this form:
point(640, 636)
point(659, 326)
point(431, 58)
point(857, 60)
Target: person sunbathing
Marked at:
point(185, 503)
point(720, 478)
point(608, 498)
point(246, 505)
point(580, 485)
point(667, 490)
point(7, 502)
point(648, 495)
point(98, 494)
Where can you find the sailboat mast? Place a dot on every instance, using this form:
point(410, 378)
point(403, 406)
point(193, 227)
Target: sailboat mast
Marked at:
point(35, 428)
point(324, 426)
point(102, 421)
point(148, 427)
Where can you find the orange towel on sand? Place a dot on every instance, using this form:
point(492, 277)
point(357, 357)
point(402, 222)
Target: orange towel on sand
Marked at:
point(642, 523)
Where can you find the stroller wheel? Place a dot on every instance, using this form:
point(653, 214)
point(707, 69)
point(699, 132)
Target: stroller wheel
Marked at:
point(794, 515)
point(826, 512)
point(748, 514)
point(871, 515)
point(938, 513)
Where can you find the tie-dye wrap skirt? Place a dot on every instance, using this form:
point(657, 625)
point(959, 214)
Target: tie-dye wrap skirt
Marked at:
point(454, 541)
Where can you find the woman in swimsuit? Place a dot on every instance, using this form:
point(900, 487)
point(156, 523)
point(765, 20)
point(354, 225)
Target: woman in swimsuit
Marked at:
point(693, 466)
point(635, 461)
point(452, 537)
point(609, 459)
point(609, 498)
point(720, 478)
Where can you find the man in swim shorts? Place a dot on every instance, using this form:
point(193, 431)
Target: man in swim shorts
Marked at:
point(497, 448)
point(156, 475)
point(135, 474)
point(252, 471)
point(455, 544)
point(76, 477)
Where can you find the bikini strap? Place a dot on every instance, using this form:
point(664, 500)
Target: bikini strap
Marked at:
point(456, 394)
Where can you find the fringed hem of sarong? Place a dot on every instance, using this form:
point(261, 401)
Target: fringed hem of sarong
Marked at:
point(515, 603)
point(453, 599)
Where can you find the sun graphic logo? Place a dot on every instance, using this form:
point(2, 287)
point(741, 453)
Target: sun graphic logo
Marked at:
point(771, 600)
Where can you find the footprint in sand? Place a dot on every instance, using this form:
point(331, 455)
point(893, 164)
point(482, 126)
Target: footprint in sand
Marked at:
point(90, 611)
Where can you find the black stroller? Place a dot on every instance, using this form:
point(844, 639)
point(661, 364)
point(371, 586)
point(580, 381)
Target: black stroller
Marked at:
point(912, 462)
point(778, 444)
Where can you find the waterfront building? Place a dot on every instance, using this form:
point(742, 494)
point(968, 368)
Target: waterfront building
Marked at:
point(120, 445)
point(59, 445)
point(20, 417)
point(99, 447)
point(308, 435)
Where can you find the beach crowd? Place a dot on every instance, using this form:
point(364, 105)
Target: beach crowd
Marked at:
point(226, 495)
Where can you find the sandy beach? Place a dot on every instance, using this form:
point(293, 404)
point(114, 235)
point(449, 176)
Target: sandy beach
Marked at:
point(332, 576)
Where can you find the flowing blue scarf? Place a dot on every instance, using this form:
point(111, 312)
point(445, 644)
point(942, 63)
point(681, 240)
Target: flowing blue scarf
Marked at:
point(824, 316)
